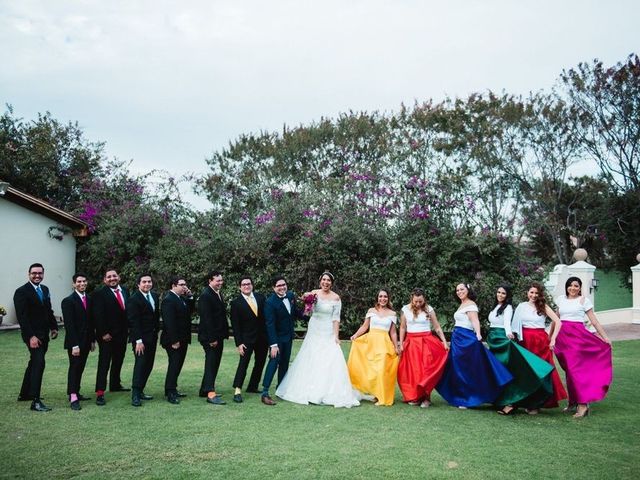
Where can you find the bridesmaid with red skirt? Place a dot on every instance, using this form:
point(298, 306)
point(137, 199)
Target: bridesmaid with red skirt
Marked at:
point(423, 356)
point(529, 322)
point(584, 356)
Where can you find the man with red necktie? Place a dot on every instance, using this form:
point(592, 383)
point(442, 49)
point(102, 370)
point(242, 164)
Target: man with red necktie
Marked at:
point(109, 316)
point(79, 337)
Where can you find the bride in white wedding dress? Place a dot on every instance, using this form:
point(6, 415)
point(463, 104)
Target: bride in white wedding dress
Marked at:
point(319, 372)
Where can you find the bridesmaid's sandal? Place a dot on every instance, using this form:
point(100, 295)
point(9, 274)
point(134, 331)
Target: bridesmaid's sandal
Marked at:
point(425, 404)
point(532, 411)
point(583, 413)
point(507, 410)
point(571, 408)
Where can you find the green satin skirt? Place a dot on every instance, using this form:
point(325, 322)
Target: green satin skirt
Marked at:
point(531, 384)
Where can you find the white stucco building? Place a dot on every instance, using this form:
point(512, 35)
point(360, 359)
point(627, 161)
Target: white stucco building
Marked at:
point(32, 231)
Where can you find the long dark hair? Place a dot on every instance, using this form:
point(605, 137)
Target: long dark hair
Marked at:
point(540, 302)
point(471, 293)
point(508, 299)
point(569, 281)
point(389, 304)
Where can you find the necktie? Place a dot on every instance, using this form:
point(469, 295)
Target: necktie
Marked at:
point(84, 301)
point(150, 301)
point(252, 303)
point(119, 298)
point(40, 294)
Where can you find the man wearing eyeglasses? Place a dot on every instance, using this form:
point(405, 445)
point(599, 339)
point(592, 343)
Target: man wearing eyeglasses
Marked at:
point(280, 312)
point(250, 335)
point(176, 309)
point(35, 316)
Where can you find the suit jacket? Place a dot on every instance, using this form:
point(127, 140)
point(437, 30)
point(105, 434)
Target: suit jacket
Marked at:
point(247, 326)
point(77, 323)
point(144, 321)
point(106, 314)
point(176, 319)
point(213, 317)
point(34, 316)
point(278, 320)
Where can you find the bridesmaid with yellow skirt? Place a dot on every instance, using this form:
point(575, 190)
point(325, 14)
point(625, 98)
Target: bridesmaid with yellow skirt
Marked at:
point(373, 359)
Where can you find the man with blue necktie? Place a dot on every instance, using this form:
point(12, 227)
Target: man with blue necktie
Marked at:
point(143, 313)
point(35, 316)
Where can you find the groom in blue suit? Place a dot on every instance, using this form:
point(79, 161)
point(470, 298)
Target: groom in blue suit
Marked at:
point(280, 312)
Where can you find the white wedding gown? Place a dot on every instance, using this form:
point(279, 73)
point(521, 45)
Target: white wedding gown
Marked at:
point(319, 372)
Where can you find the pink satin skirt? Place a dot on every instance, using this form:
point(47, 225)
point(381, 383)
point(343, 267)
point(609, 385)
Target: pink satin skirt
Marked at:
point(586, 360)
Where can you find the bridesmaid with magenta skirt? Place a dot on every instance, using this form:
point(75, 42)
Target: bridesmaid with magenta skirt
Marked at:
point(584, 356)
point(472, 374)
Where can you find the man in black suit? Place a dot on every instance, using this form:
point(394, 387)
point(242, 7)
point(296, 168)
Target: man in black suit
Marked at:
point(109, 316)
point(176, 309)
point(32, 302)
point(143, 312)
point(79, 337)
point(280, 312)
point(212, 332)
point(250, 335)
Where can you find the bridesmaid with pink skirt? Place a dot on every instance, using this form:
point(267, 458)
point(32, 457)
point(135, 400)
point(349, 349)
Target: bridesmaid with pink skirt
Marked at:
point(584, 356)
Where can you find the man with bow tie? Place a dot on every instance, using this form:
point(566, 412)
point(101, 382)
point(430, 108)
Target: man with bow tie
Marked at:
point(176, 310)
point(143, 312)
point(109, 316)
point(79, 338)
point(280, 312)
point(35, 316)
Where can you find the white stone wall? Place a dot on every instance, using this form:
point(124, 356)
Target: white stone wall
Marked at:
point(24, 240)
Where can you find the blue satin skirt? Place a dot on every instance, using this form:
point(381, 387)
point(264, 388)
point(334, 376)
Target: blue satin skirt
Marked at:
point(472, 375)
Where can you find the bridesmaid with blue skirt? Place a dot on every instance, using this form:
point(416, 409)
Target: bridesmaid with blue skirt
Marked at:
point(472, 375)
point(531, 385)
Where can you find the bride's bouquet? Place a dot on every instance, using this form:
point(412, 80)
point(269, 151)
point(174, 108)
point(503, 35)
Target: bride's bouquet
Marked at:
point(309, 300)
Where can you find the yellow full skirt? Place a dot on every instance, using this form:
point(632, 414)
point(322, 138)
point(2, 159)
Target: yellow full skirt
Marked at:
point(373, 365)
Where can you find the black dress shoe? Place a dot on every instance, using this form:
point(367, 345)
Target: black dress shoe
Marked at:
point(216, 401)
point(237, 398)
point(119, 388)
point(135, 401)
point(100, 401)
point(76, 405)
point(181, 395)
point(38, 406)
point(173, 398)
point(144, 396)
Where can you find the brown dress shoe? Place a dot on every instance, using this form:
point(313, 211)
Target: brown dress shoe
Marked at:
point(267, 400)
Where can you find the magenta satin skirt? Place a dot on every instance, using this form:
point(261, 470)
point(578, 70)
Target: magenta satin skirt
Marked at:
point(586, 360)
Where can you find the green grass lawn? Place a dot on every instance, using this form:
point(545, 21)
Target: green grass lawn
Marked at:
point(250, 440)
point(611, 294)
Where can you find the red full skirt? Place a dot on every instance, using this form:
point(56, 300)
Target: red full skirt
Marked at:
point(421, 366)
point(536, 340)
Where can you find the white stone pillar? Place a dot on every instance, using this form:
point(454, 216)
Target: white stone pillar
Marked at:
point(584, 271)
point(635, 279)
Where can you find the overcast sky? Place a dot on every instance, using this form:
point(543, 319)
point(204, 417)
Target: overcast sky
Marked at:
point(167, 83)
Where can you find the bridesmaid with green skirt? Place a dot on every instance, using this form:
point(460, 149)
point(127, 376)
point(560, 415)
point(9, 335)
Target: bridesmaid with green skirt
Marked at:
point(531, 385)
